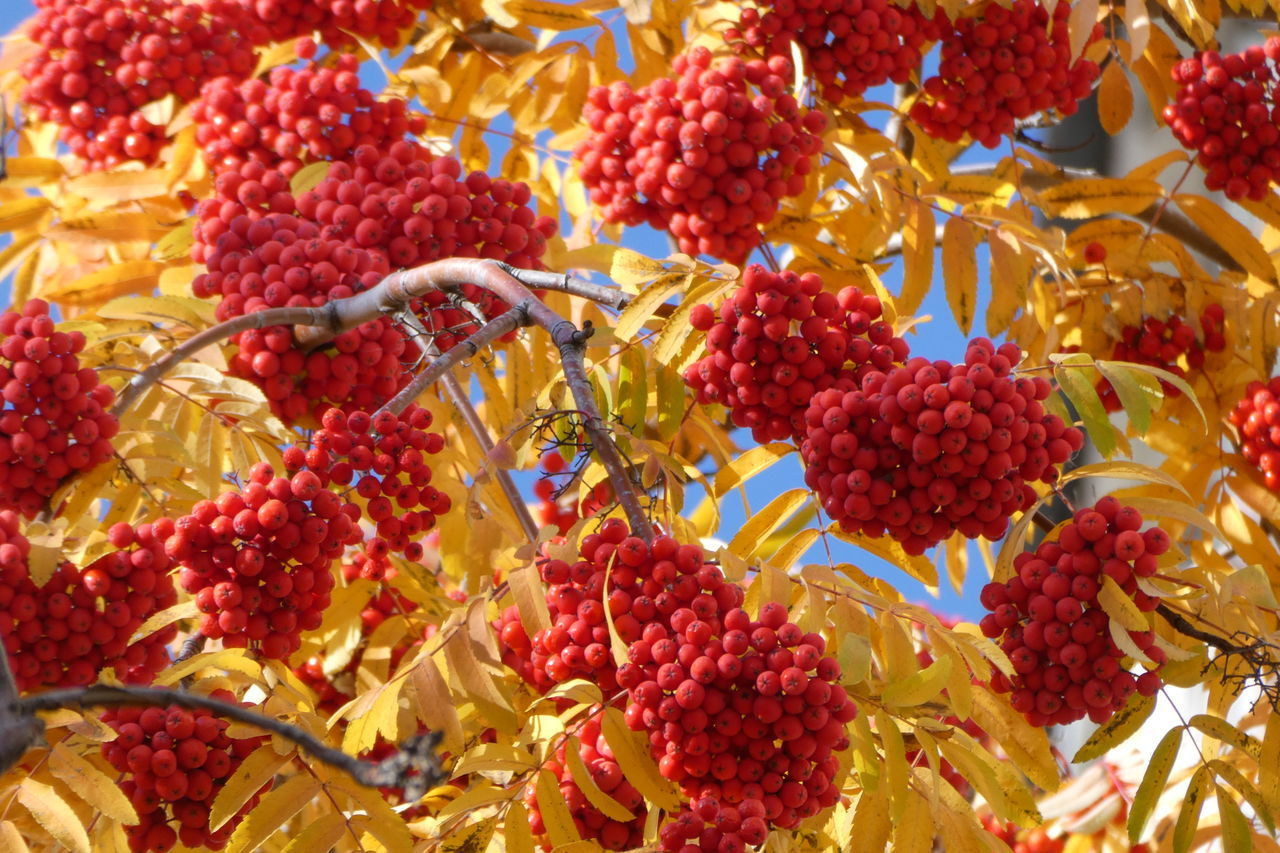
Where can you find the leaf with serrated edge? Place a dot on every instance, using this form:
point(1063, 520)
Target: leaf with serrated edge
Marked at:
point(54, 815)
point(582, 777)
point(1135, 398)
point(1118, 729)
point(1082, 393)
point(259, 768)
point(1237, 836)
point(749, 464)
point(1189, 815)
point(642, 308)
point(272, 813)
point(632, 755)
point(764, 522)
point(555, 811)
point(1220, 729)
point(91, 784)
point(470, 837)
point(918, 687)
point(1159, 767)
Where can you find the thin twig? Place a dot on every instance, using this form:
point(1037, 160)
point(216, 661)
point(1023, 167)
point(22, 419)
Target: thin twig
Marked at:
point(610, 297)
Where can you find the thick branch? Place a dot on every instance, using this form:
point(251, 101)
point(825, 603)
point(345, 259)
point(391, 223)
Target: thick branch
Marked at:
point(1155, 215)
point(416, 768)
point(213, 335)
point(1183, 626)
point(610, 297)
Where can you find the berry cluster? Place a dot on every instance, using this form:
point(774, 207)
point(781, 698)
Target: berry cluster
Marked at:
point(101, 61)
point(779, 340)
point(175, 762)
point(385, 457)
point(601, 763)
point(339, 22)
point(848, 47)
point(1033, 841)
point(1225, 111)
point(1256, 417)
point(564, 511)
point(745, 715)
point(257, 560)
point(296, 116)
point(928, 448)
point(1055, 632)
point(700, 155)
point(54, 419)
point(1002, 65)
point(69, 629)
point(1162, 343)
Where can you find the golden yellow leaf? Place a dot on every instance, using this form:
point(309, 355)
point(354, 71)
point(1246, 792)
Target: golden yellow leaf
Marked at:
point(918, 242)
point(21, 212)
point(582, 777)
point(11, 839)
point(109, 282)
point(630, 269)
point(54, 815)
point(1119, 606)
point(470, 837)
point(236, 660)
point(1189, 816)
point(120, 186)
point(91, 784)
point(1159, 766)
point(1115, 99)
point(259, 768)
point(555, 811)
point(642, 308)
point(273, 812)
point(1118, 729)
point(1026, 746)
point(631, 751)
point(493, 757)
point(29, 171)
point(759, 526)
point(1228, 233)
point(1099, 196)
point(549, 16)
point(320, 834)
point(960, 271)
point(920, 686)
point(749, 464)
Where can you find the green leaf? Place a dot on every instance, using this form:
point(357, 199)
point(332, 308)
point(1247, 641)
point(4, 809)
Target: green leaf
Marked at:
point(1084, 396)
point(1237, 837)
point(1139, 394)
point(1159, 767)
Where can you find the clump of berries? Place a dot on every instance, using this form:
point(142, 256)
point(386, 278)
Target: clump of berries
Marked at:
point(779, 340)
point(1162, 344)
point(257, 560)
point(1002, 65)
point(606, 773)
point(175, 762)
point(100, 62)
point(564, 510)
point(55, 419)
point(1224, 111)
point(1058, 638)
point(339, 22)
point(67, 630)
point(922, 450)
point(706, 156)
point(385, 457)
point(848, 48)
point(1256, 418)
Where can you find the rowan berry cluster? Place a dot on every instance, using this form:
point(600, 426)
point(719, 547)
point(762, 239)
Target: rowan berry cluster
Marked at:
point(778, 341)
point(296, 116)
point(1056, 634)
point(564, 511)
point(66, 630)
point(101, 61)
point(706, 156)
point(385, 457)
point(54, 419)
point(922, 450)
point(1033, 841)
point(848, 47)
point(175, 762)
point(1002, 65)
point(339, 22)
point(257, 560)
point(1224, 111)
point(602, 766)
point(1256, 418)
point(1162, 344)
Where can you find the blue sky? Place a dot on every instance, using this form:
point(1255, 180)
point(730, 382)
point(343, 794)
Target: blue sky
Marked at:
point(939, 338)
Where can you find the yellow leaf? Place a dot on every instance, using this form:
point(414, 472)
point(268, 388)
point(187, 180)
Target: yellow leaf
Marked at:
point(515, 829)
point(1118, 729)
point(530, 598)
point(895, 761)
point(872, 822)
point(1251, 584)
point(165, 618)
point(470, 837)
point(109, 282)
point(1099, 196)
point(320, 834)
point(308, 177)
point(1119, 606)
point(32, 171)
point(749, 464)
point(1189, 816)
point(764, 522)
point(176, 244)
point(1227, 232)
point(1026, 746)
point(918, 242)
point(1237, 835)
point(119, 186)
point(54, 815)
point(642, 308)
point(259, 768)
point(555, 811)
point(91, 784)
point(677, 337)
point(493, 758)
point(1010, 274)
point(434, 705)
point(1220, 729)
point(1123, 470)
point(582, 777)
point(1084, 14)
point(236, 660)
point(1115, 99)
point(630, 269)
point(478, 683)
point(273, 812)
point(1137, 25)
point(913, 830)
point(960, 271)
point(1159, 766)
point(1138, 393)
point(1176, 510)
point(549, 16)
point(21, 212)
point(918, 687)
point(631, 751)
point(919, 567)
point(11, 839)
point(384, 824)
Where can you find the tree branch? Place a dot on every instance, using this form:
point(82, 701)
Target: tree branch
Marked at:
point(610, 297)
point(1169, 222)
point(415, 767)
